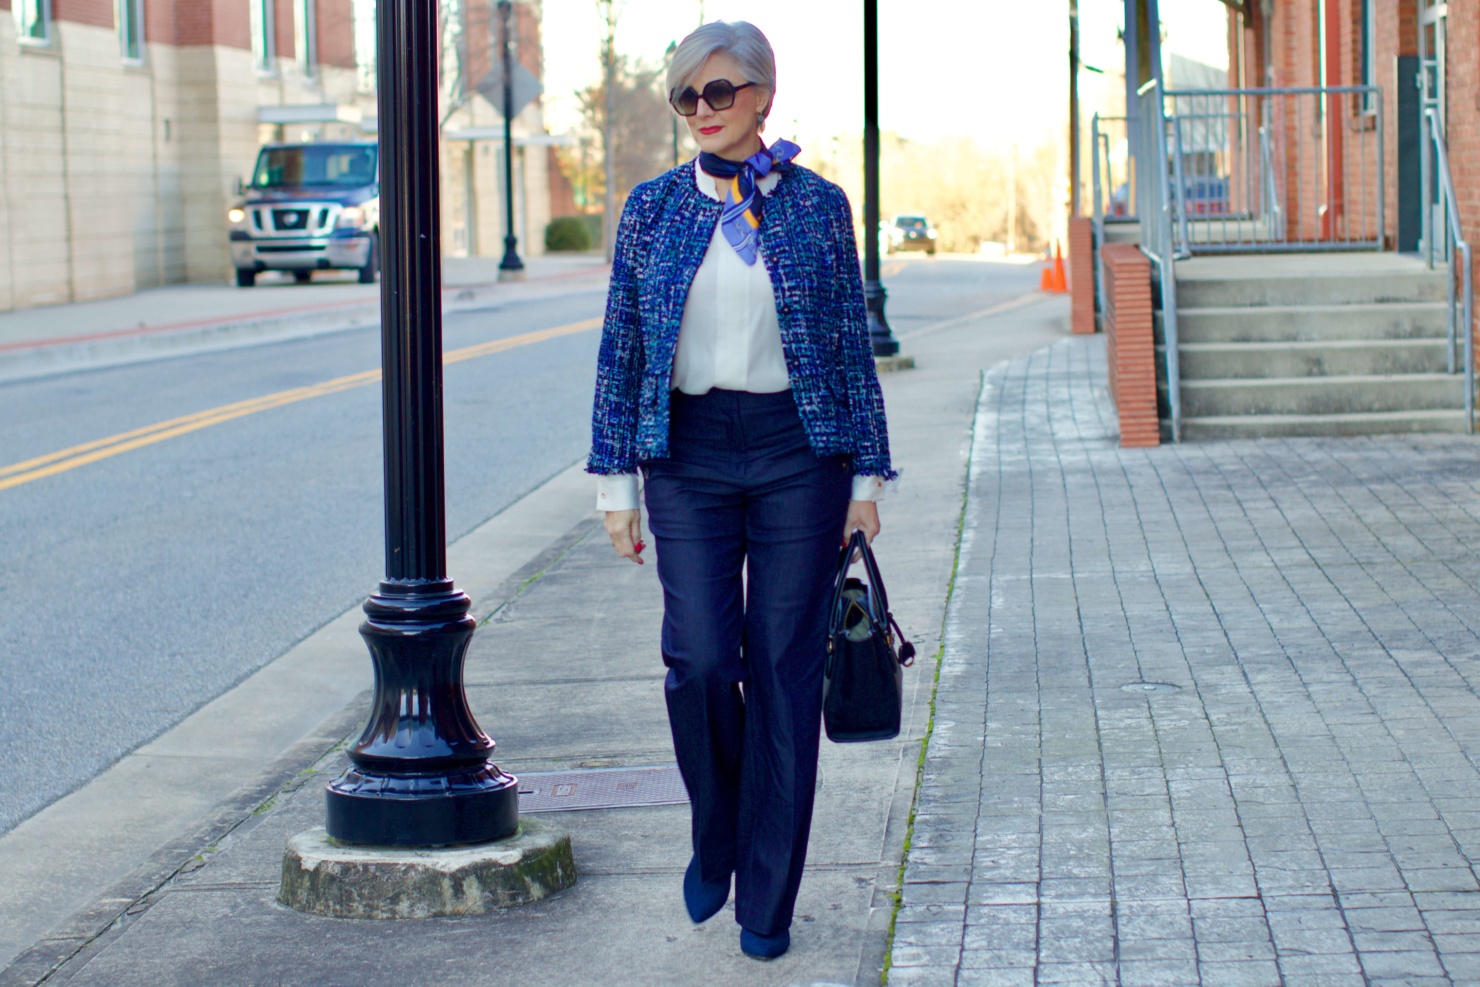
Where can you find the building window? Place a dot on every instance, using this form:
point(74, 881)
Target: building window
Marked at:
point(306, 36)
point(365, 45)
point(33, 21)
point(264, 53)
point(130, 18)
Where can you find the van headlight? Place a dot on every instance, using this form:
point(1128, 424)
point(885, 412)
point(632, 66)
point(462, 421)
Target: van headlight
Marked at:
point(237, 215)
point(351, 218)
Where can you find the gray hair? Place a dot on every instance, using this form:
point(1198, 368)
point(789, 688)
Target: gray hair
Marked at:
point(741, 40)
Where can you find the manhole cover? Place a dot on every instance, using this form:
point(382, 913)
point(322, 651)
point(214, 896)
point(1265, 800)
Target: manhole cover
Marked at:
point(1151, 687)
point(600, 788)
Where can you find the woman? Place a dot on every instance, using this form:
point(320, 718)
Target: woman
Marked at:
point(736, 373)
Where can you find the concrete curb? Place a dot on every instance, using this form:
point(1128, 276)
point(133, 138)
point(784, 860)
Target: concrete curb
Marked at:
point(44, 358)
point(130, 830)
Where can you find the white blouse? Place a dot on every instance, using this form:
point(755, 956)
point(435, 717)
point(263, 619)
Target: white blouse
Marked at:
point(728, 338)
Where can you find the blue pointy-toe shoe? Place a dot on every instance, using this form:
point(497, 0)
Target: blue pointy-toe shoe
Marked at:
point(761, 947)
point(701, 899)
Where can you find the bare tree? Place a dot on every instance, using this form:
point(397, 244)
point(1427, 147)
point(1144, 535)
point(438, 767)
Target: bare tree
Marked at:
point(628, 113)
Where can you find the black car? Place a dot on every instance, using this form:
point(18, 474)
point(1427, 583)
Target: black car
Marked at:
point(911, 232)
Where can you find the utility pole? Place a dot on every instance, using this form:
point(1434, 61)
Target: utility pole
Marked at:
point(608, 61)
point(511, 268)
point(1073, 107)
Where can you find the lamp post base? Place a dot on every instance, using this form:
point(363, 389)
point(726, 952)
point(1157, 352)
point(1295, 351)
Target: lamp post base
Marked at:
point(324, 877)
point(472, 806)
point(420, 774)
point(511, 268)
point(879, 333)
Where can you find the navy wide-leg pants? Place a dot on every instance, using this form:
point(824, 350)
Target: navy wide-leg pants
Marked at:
point(747, 522)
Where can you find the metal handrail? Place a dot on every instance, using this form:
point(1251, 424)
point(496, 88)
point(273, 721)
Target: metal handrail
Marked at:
point(1272, 203)
point(1461, 310)
point(1271, 226)
point(1154, 206)
point(1100, 145)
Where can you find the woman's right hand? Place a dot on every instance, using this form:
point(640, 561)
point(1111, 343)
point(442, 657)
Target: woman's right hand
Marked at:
point(624, 528)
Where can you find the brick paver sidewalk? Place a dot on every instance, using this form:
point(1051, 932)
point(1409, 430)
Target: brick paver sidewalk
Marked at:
point(1207, 713)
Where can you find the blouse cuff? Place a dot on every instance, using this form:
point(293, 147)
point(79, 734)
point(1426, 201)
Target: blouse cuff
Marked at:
point(616, 492)
point(868, 488)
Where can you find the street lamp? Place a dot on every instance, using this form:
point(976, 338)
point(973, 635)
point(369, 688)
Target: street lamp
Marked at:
point(420, 773)
point(874, 294)
point(511, 268)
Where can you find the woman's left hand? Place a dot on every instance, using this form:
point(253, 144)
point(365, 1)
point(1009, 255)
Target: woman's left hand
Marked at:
point(863, 515)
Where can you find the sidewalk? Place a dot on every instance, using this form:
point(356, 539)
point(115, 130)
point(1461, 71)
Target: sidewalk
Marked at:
point(1207, 714)
point(564, 674)
point(195, 317)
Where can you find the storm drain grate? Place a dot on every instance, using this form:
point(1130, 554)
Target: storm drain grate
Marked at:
point(600, 788)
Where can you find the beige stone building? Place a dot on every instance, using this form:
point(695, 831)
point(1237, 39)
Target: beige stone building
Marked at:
point(126, 124)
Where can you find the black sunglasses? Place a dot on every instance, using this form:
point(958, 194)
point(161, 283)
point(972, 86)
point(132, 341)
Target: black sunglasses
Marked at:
point(719, 94)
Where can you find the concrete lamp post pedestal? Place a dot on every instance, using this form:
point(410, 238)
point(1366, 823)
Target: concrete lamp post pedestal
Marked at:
point(341, 880)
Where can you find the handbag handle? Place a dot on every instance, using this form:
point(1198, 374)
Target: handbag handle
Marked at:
point(878, 598)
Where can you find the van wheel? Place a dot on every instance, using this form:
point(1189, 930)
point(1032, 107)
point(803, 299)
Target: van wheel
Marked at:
point(372, 263)
point(245, 277)
point(302, 277)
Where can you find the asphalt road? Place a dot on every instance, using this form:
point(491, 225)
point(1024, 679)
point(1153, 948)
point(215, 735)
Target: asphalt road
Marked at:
point(139, 586)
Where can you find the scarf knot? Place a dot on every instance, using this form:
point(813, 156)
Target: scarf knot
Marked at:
point(741, 216)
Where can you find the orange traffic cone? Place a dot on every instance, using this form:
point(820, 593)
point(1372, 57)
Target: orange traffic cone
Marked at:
point(1053, 279)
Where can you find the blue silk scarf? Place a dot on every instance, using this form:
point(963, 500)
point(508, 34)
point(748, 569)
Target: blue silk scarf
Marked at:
point(741, 216)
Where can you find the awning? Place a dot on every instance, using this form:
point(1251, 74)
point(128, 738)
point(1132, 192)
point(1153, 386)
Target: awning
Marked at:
point(309, 113)
point(496, 133)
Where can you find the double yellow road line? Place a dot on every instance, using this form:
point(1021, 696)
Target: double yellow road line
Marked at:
point(63, 460)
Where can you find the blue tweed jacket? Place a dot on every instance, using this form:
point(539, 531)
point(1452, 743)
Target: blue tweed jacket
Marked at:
point(806, 243)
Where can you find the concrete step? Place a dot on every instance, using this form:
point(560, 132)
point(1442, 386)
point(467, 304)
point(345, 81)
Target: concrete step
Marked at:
point(1360, 423)
point(1362, 357)
point(1121, 231)
point(1309, 323)
point(1353, 394)
point(1305, 279)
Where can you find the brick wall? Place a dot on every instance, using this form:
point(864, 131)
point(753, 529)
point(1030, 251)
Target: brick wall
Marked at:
point(1081, 274)
point(1130, 344)
point(99, 13)
point(336, 31)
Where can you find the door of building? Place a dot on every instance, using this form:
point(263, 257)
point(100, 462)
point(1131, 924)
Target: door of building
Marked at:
point(1433, 17)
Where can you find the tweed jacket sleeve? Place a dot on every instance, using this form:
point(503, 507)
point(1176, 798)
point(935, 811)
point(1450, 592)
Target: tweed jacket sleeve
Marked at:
point(865, 398)
point(619, 365)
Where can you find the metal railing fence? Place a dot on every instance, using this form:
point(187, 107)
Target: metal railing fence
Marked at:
point(1154, 204)
point(1297, 168)
point(1455, 248)
point(1110, 200)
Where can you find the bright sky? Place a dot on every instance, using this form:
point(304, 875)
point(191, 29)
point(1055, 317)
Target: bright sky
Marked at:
point(992, 70)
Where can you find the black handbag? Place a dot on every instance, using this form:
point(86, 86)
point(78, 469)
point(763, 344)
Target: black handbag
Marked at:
point(863, 681)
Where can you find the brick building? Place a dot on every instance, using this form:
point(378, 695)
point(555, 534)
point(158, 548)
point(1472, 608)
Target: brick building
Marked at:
point(125, 125)
point(1285, 43)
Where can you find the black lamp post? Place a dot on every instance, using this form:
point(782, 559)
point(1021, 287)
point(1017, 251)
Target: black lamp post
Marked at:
point(873, 289)
point(420, 774)
point(511, 261)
